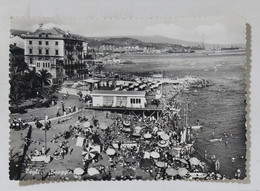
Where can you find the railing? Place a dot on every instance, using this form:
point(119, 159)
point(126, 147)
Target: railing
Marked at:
point(42, 116)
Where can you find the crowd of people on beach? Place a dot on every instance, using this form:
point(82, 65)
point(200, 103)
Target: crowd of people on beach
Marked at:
point(134, 152)
point(144, 147)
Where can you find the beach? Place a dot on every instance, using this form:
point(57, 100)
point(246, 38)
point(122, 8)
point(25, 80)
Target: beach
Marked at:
point(220, 107)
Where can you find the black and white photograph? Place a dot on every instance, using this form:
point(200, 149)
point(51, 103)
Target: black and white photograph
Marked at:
point(127, 99)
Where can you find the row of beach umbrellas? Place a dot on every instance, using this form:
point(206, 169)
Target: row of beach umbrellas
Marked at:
point(91, 171)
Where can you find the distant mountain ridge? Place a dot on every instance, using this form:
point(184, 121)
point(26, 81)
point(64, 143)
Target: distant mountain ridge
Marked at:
point(141, 41)
point(17, 32)
point(157, 42)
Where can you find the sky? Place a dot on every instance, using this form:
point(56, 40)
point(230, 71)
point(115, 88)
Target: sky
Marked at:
point(214, 30)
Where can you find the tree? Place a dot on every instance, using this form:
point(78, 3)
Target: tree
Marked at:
point(17, 83)
point(17, 89)
point(16, 98)
point(44, 78)
point(16, 59)
point(33, 79)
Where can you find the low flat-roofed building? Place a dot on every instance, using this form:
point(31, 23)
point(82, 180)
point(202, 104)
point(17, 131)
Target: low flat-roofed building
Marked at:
point(109, 98)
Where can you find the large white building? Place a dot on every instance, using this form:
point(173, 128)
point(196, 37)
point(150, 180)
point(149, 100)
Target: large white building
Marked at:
point(109, 98)
point(54, 50)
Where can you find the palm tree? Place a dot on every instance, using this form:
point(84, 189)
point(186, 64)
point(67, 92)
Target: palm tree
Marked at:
point(16, 98)
point(17, 89)
point(33, 79)
point(44, 78)
point(17, 83)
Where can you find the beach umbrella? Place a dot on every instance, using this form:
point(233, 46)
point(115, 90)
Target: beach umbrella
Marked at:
point(146, 163)
point(147, 155)
point(147, 136)
point(86, 124)
point(160, 164)
point(103, 126)
point(93, 171)
point(126, 130)
point(164, 137)
point(89, 153)
point(182, 171)
point(163, 143)
point(171, 171)
point(194, 161)
point(115, 145)
point(110, 152)
point(126, 123)
point(78, 171)
point(155, 155)
point(128, 172)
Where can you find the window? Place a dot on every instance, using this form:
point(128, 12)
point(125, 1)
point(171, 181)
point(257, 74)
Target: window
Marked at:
point(56, 42)
point(40, 42)
point(31, 61)
point(48, 64)
point(30, 50)
point(40, 51)
point(57, 52)
point(30, 42)
point(14, 44)
point(47, 51)
point(135, 101)
point(46, 42)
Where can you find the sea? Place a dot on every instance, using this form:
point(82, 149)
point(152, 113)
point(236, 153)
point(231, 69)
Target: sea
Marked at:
point(220, 108)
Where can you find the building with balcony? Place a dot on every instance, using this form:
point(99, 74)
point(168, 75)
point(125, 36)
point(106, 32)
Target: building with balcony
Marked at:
point(59, 52)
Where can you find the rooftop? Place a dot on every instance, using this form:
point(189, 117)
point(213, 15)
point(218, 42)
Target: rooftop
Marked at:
point(123, 93)
point(52, 33)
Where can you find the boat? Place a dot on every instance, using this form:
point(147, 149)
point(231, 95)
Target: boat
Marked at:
point(216, 140)
point(198, 175)
point(196, 127)
point(217, 165)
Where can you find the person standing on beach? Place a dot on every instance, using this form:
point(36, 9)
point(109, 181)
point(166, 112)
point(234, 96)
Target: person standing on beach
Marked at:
point(43, 150)
point(205, 154)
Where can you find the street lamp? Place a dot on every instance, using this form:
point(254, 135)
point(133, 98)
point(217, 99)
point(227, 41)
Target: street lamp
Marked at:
point(45, 131)
point(37, 99)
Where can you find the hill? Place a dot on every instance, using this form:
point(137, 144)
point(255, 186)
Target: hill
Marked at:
point(127, 41)
point(17, 32)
